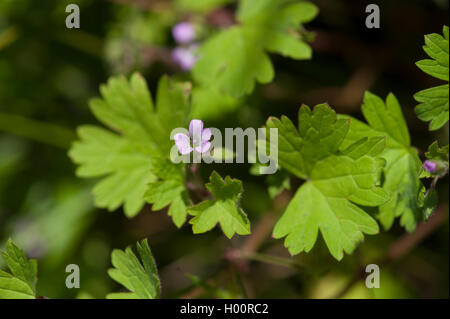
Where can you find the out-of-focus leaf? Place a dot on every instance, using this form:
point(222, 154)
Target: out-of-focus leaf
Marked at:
point(201, 6)
point(210, 104)
point(234, 59)
point(39, 131)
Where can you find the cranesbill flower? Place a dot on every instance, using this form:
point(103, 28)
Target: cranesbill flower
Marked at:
point(185, 57)
point(183, 32)
point(430, 166)
point(198, 138)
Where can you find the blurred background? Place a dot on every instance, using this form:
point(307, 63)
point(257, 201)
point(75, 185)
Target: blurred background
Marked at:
point(48, 73)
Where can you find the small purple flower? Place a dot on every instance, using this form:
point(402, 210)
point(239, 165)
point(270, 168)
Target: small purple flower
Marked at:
point(430, 166)
point(185, 57)
point(198, 139)
point(183, 32)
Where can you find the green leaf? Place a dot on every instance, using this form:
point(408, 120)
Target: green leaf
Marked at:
point(434, 105)
point(223, 209)
point(123, 159)
point(430, 201)
point(437, 47)
point(318, 137)
point(209, 103)
point(437, 153)
point(21, 282)
point(278, 182)
point(47, 133)
point(122, 295)
point(337, 183)
point(138, 276)
point(201, 6)
point(128, 171)
point(235, 58)
point(403, 166)
point(63, 211)
point(231, 62)
point(169, 190)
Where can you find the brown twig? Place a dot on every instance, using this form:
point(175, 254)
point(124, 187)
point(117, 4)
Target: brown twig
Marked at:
point(407, 242)
point(402, 246)
point(251, 244)
point(259, 234)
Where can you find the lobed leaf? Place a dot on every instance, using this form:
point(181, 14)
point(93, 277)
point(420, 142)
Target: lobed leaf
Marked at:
point(138, 276)
point(223, 209)
point(234, 59)
point(403, 166)
point(437, 153)
point(169, 190)
point(21, 282)
point(142, 132)
point(434, 101)
point(337, 183)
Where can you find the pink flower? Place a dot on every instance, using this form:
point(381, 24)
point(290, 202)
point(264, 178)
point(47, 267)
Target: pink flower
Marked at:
point(185, 57)
point(430, 166)
point(183, 32)
point(198, 139)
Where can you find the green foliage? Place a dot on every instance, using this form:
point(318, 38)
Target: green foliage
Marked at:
point(403, 166)
point(64, 211)
point(434, 101)
point(21, 282)
point(278, 182)
point(223, 209)
point(346, 177)
point(200, 5)
point(144, 133)
point(436, 46)
point(235, 58)
point(437, 153)
point(337, 183)
point(38, 131)
point(429, 201)
point(208, 103)
point(140, 277)
point(168, 190)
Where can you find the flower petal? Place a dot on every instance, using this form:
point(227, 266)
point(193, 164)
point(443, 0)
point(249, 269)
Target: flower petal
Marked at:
point(185, 58)
point(206, 135)
point(182, 142)
point(183, 32)
point(430, 166)
point(195, 127)
point(204, 147)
